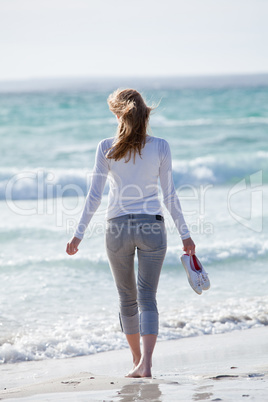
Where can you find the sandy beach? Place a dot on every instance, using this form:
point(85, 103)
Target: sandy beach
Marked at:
point(228, 367)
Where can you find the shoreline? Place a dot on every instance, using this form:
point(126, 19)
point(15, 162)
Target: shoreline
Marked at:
point(227, 365)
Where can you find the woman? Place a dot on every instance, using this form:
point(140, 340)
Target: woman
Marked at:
point(133, 162)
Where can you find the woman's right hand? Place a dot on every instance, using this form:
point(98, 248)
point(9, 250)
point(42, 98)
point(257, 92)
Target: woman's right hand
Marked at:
point(189, 246)
point(72, 246)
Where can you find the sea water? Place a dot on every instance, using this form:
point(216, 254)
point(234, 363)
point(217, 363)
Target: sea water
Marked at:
point(53, 305)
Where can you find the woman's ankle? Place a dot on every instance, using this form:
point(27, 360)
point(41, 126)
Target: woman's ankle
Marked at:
point(136, 359)
point(146, 363)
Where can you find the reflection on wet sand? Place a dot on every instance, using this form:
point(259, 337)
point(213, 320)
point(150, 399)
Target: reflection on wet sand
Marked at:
point(202, 393)
point(140, 392)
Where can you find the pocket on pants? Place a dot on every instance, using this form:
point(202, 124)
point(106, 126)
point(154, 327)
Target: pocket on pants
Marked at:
point(114, 238)
point(152, 235)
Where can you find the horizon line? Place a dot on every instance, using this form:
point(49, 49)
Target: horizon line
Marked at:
point(132, 76)
point(107, 83)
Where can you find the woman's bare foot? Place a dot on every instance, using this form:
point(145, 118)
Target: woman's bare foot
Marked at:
point(141, 370)
point(136, 361)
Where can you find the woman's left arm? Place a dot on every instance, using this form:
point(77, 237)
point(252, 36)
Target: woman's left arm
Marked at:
point(188, 246)
point(171, 199)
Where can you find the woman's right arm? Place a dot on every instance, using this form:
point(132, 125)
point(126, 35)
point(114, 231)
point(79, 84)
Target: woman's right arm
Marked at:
point(72, 246)
point(93, 200)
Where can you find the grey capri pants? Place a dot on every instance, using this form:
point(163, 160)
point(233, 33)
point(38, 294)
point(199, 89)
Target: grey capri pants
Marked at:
point(124, 235)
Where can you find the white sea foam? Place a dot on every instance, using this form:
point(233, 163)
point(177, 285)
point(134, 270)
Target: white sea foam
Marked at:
point(224, 251)
point(44, 183)
point(39, 183)
point(220, 251)
point(77, 337)
point(193, 320)
point(262, 154)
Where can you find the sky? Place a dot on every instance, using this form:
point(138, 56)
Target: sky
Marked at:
point(86, 38)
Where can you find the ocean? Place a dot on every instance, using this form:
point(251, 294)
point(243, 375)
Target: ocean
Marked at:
point(56, 306)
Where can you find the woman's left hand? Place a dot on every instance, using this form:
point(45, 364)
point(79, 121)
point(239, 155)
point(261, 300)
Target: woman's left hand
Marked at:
point(189, 246)
point(72, 246)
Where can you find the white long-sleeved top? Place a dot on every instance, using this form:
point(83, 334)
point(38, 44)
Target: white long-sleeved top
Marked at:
point(134, 185)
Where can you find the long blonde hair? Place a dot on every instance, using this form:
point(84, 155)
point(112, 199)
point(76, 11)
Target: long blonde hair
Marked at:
point(133, 115)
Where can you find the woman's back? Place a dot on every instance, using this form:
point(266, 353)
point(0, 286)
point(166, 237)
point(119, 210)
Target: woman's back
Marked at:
point(134, 185)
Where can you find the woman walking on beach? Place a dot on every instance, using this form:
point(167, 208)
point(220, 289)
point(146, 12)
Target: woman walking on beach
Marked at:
point(133, 161)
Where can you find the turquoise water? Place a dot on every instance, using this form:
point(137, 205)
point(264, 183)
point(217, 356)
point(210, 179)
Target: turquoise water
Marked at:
point(53, 305)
